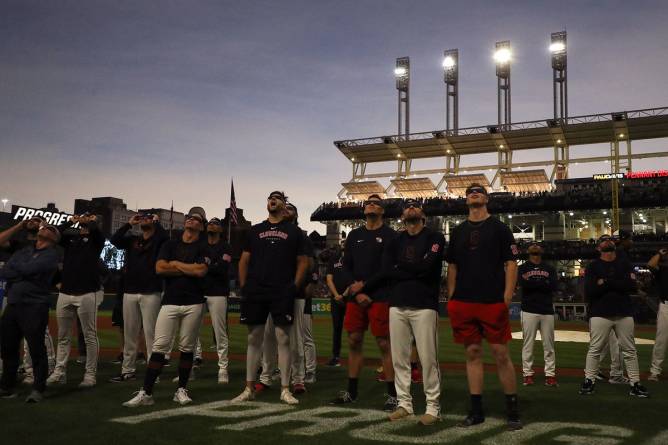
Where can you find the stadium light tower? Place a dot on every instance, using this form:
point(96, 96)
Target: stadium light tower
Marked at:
point(502, 57)
point(402, 75)
point(451, 79)
point(4, 203)
point(559, 77)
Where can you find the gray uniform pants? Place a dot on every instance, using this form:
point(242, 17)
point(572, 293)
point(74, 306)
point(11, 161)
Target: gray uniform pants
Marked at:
point(599, 331)
point(661, 342)
point(67, 309)
point(139, 311)
point(407, 324)
point(531, 323)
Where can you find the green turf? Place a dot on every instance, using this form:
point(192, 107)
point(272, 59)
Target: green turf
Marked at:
point(569, 355)
point(83, 416)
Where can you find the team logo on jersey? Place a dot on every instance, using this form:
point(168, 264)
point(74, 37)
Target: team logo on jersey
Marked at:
point(273, 234)
point(435, 247)
point(514, 249)
point(474, 239)
point(227, 257)
point(379, 239)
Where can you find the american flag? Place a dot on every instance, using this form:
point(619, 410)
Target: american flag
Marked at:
point(233, 207)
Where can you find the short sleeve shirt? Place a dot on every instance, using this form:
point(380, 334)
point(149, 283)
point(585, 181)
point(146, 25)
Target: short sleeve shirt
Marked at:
point(480, 251)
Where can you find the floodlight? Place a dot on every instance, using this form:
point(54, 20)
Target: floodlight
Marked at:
point(502, 55)
point(449, 62)
point(400, 71)
point(556, 47)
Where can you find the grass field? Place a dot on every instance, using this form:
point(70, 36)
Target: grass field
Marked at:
point(552, 415)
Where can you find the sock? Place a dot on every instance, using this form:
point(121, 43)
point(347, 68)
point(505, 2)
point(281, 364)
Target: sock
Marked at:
point(185, 365)
point(414, 365)
point(352, 387)
point(511, 407)
point(153, 369)
point(476, 404)
point(391, 390)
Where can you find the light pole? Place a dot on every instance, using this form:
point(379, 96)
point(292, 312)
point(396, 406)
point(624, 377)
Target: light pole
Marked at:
point(402, 75)
point(4, 204)
point(451, 79)
point(502, 56)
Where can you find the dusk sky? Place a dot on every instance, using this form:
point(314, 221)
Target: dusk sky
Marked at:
point(154, 101)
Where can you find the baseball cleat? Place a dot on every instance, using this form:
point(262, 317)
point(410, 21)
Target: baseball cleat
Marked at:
point(181, 397)
point(637, 390)
point(343, 398)
point(56, 379)
point(471, 419)
point(399, 414)
point(619, 380)
point(551, 381)
point(245, 396)
point(528, 380)
point(298, 388)
point(88, 382)
point(123, 377)
point(514, 425)
point(140, 399)
point(34, 397)
point(428, 419)
point(587, 388)
point(391, 404)
point(287, 397)
point(601, 377)
point(334, 361)
point(261, 387)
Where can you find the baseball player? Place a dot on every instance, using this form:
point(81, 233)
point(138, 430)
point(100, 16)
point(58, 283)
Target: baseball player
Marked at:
point(337, 282)
point(271, 270)
point(217, 291)
point(482, 273)
point(142, 287)
point(362, 260)
point(182, 263)
point(80, 295)
point(413, 262)
point(29, 273)
point(538, 282)
point(659, 265)
point(609, 281)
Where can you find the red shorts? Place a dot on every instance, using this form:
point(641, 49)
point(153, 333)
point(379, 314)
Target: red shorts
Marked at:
point(377, 315)
point(473, 321)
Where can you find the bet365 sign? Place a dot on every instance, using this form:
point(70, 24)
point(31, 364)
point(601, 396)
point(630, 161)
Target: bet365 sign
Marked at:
point(20, 213)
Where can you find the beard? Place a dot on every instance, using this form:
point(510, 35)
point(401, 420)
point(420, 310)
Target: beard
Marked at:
point(476, 205)
point(608, 249)
point(411, 220)
point(146, 226)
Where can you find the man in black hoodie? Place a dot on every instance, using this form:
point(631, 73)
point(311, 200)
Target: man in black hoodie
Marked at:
point(609, 282)
point(29, 273)
point(143, 287)
point(80, 294)
point(412, 263)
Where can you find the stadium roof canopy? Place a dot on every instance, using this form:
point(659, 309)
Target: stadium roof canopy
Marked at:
point(360, 190)
point(591, 129)
point(525, 181)
point(414, 188)
point(457, 184)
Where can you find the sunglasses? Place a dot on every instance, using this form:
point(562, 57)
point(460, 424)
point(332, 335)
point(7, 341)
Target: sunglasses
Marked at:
point(415, 205)
point(374, 202)
point(479, 190)
point(195, 217)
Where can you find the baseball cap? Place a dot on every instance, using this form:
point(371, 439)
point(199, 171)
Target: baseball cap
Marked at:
point(603, 238)
point(215, 221)
point(278, 195)
point(476, 188)
point(199, 211)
